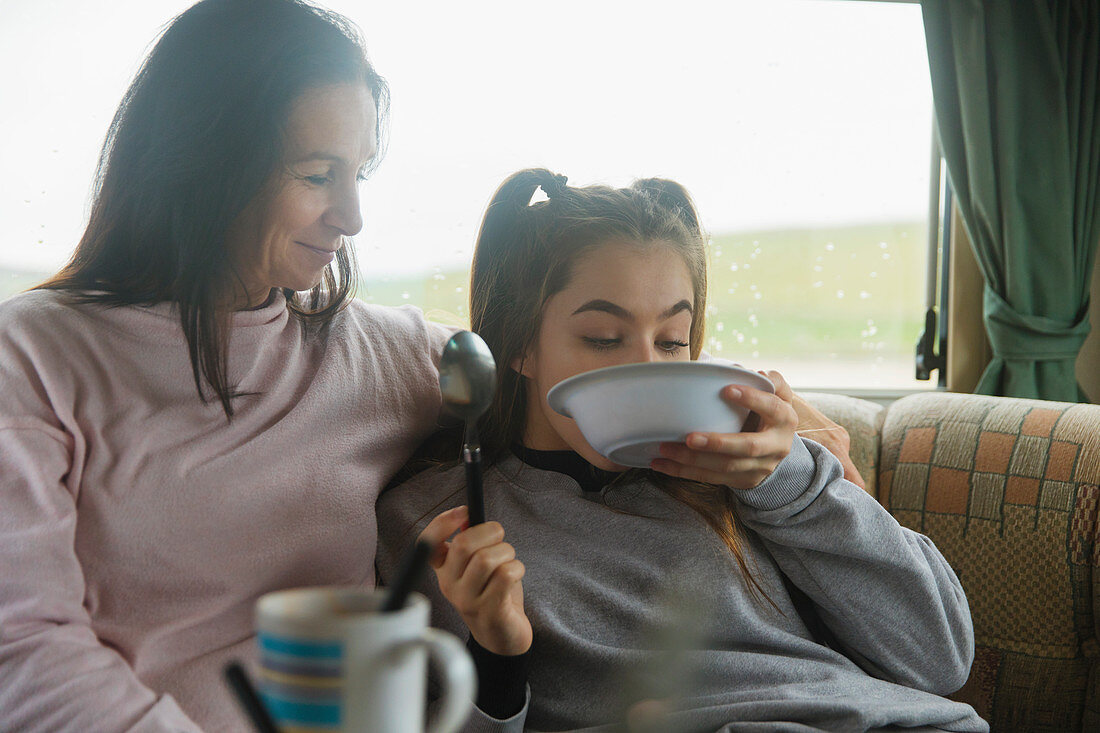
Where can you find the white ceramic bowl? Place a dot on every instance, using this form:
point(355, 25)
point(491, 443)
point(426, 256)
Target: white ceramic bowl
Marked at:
point(625, 412)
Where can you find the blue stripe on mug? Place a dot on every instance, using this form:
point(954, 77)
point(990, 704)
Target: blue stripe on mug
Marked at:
point(301, 648)
point(294, 712)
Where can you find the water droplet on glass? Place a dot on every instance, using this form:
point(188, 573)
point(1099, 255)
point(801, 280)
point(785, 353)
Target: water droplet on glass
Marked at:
point(756, 355)
point(840, 293)
point(754, 341)
point(882, 245)
point(719, 327)
point(818, 284)
point(885, 255)
point(818, 268)
point(740, 338)
point(458, 289)
point(874, 274)
point(757, 296)
point(830, 247)
point(864, 295)
point(733, 267)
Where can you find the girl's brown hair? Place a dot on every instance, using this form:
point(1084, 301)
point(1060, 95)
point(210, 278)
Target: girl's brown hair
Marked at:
point(525, 254)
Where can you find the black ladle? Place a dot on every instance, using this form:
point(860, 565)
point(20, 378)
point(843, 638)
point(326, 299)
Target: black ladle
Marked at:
point(467, 379)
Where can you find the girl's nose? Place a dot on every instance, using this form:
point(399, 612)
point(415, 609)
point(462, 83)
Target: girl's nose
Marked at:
point(645, 351)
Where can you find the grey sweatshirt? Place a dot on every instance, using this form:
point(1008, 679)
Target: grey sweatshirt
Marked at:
point(633, 598)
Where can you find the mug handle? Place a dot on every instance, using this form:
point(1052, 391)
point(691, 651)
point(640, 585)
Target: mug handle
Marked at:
point(459, 678)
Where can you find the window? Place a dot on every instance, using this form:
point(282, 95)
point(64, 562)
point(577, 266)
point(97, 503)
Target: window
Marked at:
point(801, 127)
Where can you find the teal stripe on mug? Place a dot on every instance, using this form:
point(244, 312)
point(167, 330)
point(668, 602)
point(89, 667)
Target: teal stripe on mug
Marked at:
point(315, 649)
point(286, 664)
point(289, 712)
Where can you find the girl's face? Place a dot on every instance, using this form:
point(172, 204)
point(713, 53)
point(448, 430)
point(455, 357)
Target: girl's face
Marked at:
point(627, 302)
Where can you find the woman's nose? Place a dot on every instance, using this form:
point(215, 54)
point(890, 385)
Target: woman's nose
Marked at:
point(345, 213)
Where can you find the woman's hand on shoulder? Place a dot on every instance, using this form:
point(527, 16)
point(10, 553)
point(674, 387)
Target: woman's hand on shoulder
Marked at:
point(479, 574)
point(738, 460)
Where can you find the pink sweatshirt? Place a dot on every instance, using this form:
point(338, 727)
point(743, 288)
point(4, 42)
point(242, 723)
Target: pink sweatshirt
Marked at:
point(137, 527)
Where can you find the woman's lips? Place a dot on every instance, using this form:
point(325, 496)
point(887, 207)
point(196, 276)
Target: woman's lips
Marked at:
point(326, 253)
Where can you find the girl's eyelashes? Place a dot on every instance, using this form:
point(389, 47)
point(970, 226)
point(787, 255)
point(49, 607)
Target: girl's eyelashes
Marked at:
point(601, 344)
point(317, 180)
point(670, 347)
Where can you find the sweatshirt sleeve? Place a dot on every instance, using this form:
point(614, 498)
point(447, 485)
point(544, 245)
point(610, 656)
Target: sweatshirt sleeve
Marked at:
point(885, 591)
point(56, 675)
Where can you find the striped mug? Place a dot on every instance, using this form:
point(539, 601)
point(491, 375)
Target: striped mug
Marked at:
point(331, 661)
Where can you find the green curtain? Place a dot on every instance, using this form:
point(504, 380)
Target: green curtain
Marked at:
point(1018, 115)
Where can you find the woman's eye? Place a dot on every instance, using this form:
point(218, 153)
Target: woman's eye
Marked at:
point(317, 180)
point(671, 347)
point(601, 344)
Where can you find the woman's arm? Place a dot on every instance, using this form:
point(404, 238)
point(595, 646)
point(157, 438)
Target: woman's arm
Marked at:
point(55, 675)
point(885, 591)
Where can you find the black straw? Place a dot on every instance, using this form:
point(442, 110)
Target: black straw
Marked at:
point(412, 567)
point(249, 700)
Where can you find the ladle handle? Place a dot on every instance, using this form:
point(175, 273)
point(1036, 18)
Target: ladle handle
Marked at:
point(475, 500)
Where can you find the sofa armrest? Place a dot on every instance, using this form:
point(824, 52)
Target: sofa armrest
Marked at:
point(863, 420)
point(1008, 490)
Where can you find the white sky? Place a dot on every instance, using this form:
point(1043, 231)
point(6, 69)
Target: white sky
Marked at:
point(774, 113)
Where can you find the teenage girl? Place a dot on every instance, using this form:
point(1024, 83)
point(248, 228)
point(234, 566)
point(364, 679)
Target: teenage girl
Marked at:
point(739, 583)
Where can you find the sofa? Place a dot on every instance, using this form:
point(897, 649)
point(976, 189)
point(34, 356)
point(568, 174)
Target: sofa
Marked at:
point(1008, 490)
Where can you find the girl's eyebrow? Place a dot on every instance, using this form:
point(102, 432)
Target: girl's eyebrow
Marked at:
point(618, 311)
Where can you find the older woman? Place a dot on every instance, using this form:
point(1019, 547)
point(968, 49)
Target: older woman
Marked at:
point(194, 411)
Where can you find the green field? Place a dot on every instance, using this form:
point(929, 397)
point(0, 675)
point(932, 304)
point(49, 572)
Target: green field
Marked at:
point(853, 292)
point(848, 294)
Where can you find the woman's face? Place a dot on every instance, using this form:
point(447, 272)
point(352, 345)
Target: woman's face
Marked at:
point(288, 234)
point(625, 303)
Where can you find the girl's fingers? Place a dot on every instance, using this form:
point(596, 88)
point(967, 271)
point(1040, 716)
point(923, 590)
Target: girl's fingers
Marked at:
point(771, 408)
point(468, 542)
point(745, 476)
point(712, 448)
point(482, 566)
point(440, 528)
point(499, 585)
point(782, 389)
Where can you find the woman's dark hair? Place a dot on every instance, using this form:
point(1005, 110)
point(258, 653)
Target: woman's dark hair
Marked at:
point(196, 138)
point(526, 253)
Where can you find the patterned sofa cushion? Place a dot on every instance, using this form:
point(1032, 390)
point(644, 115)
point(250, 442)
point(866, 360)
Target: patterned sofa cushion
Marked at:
point(1008, 490)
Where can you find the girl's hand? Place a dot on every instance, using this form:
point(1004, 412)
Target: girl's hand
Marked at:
point(479, 574)
point(738, 460)
point(815, 426)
